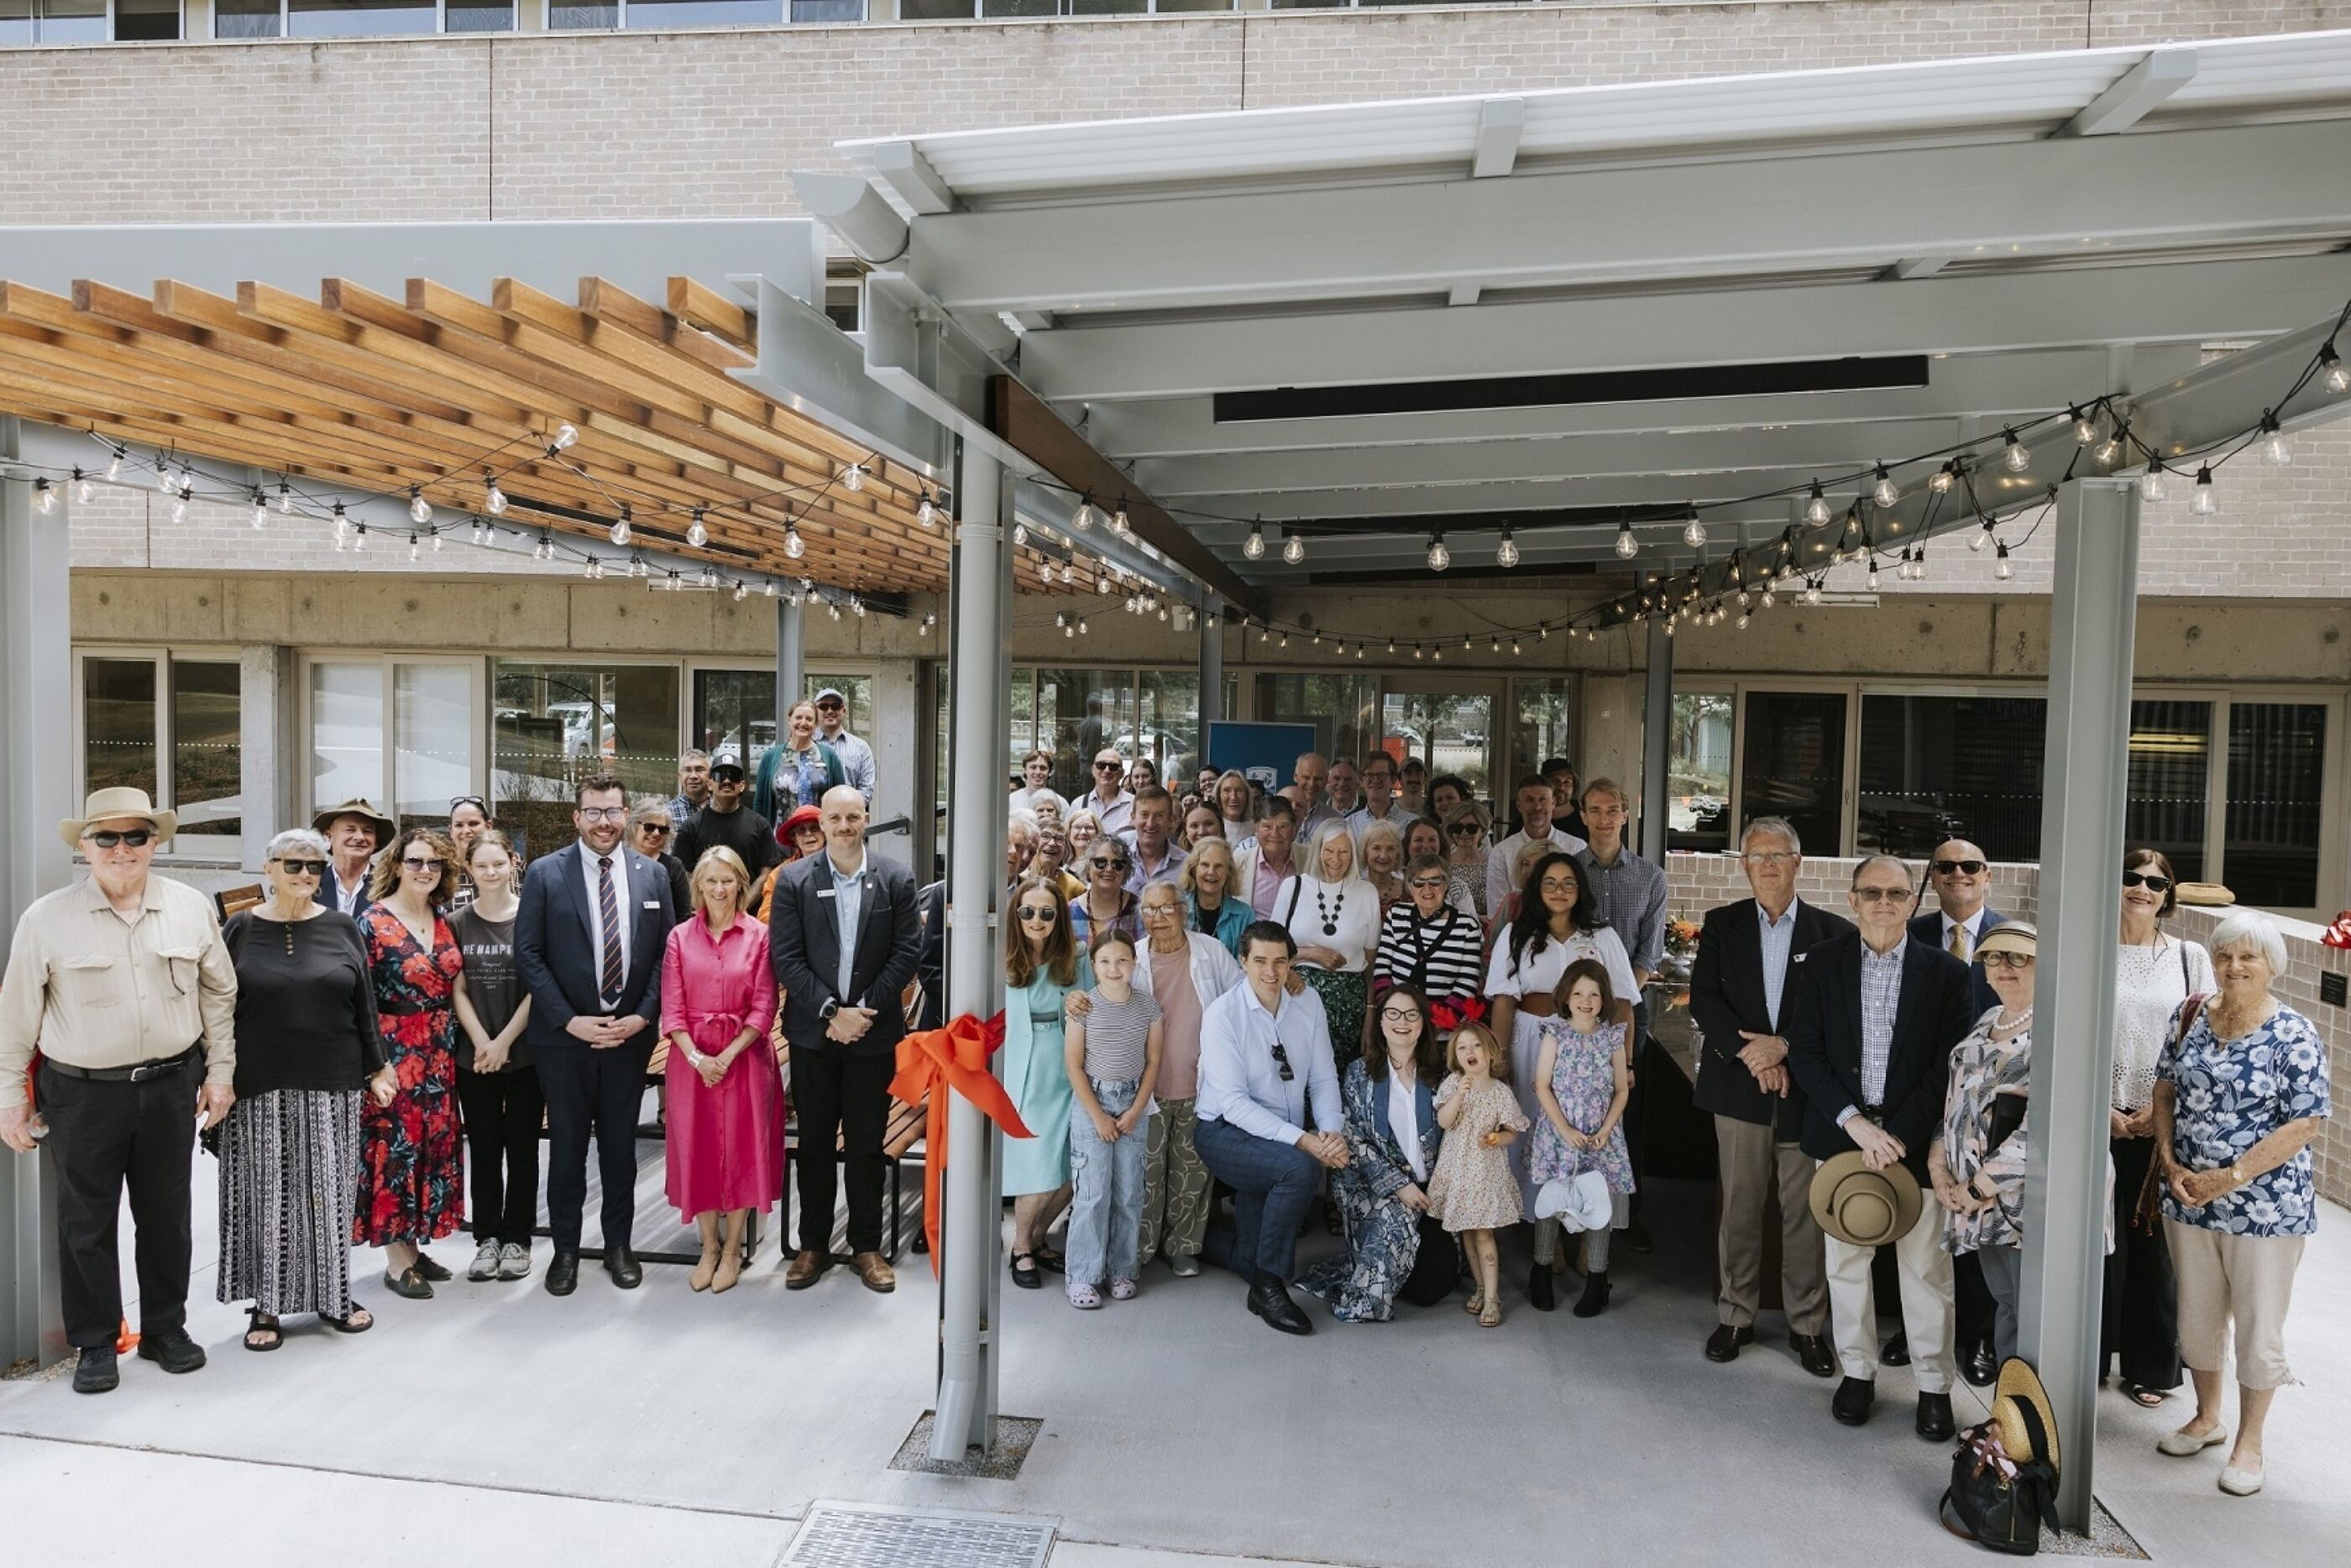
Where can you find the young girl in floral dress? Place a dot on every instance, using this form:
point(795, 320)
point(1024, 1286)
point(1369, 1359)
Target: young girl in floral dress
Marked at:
point(1473, 1191)
point(1583, 1082)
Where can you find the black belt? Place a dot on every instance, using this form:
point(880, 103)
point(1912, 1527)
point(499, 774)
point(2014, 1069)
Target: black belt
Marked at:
point(137, 1073)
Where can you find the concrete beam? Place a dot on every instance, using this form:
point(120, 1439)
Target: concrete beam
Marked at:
point(2142, 88)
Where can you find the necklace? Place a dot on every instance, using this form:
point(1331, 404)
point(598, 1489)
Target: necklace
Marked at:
point(1330, 915)
point(2003, 1021)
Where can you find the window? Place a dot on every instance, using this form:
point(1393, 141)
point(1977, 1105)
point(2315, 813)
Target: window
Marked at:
point(1697, 770)
point(2171, 777)
point(1540, 731)
point(359, 18)
point(351, 18)
point(52, 21)
point(1168, 703)
point(737, 707)
point(1792, 762)
point(247, 19)
point(554, 723)
point(2277, 765)
point(146, 21)
point(401, 732)
point(1936, 767)
point(575, 14)
point(1080, 712)
point(145, 716)
point(478, 16)
point(1343, 709)
point(701, 13)
point(433, 740)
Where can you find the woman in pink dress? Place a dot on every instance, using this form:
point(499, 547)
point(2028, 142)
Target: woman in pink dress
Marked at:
point(726, 1127)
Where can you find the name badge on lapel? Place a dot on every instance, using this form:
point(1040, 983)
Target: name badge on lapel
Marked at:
point(824, 892)
point(652, 903)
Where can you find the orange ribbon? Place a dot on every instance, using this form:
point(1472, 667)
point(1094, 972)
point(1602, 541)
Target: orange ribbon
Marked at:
point(954, 1058)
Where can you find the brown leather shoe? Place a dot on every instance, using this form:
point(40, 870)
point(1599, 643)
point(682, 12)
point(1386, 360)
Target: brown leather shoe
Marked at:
point(805, 1269)
point(875, 1271)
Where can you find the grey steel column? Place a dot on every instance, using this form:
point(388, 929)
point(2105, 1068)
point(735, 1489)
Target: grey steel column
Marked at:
point(791, 664)
point(35, 789)
point(2092, 621)
point(971, 1235)
point(1212, 670)
point(1657, 744)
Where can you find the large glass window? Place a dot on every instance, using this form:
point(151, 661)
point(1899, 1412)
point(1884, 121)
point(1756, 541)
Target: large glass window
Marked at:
point(1080, 712)
point(1698, 768)
point(1539, 731)
point(1343, 709)
point(702, 12)
point(1939, 767)
point(247, 18)
point(1168, 704)
point(169, 727)
point(557, 723)
point(1452, 731)
point(118, 725)
point(2277, 766)
point(2171, 777)
point(346, 732)
point(737, 707)
point(567, 13)
point(52, 21)
point(208, 747)
point(432, 741)
point(1792, 762)
point(146, 21)
point(359, 18)
point(478, 16)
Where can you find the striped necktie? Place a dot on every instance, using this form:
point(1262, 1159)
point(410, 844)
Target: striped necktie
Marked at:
point(1962, 949)
point(607, 910)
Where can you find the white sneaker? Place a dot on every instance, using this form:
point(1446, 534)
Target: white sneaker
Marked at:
point(514, 1262)
point(484, 1266)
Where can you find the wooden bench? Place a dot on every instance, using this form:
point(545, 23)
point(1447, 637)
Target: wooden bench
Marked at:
point(237, 900)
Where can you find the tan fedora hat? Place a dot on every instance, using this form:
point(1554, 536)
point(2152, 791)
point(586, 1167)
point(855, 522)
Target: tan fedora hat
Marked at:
point(2019, 1386)
point(107, 804)
point(385, 828)
point(1860, 1207)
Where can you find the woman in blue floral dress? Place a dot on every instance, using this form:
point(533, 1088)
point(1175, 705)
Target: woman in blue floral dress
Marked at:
point(1392, 1141)
point(2240, 1088)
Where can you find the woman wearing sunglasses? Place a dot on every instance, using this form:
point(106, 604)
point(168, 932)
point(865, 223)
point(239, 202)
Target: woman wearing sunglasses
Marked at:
point(410, 1165)
point(2154, 973)
point(653, 833)
point(308, 1048)
point(1107, 906)
point(1465, 855)
point(1042, 966)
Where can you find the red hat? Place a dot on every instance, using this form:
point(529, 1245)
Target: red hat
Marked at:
point(799, 813)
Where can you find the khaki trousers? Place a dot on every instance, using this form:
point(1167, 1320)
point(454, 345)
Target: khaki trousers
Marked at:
point(1752, 1162)
point(1926, 1272)
point(2249, 1278)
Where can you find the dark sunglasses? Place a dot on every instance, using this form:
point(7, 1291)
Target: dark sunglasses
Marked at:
point(1959, 867)
point(303, 867)
point(137, 838)
point(1463, 830)
point(477, 802)
point(2153, 881)
point(1037, 912)
point(411, 863)
point(1107, 863)
point(1281, 1061)
point(1107, 767)
point(1429, 882)
point(652, 827)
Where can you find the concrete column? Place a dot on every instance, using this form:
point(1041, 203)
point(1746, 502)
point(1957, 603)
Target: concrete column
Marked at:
point(791, 657)
point(893, 736)
point(1212, 667)
point(2092, 625)
point(1656, 743)
point(35, 794)
point(265, 742)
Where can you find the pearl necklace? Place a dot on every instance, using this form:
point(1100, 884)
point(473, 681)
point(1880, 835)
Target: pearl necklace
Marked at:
point(2003, 1024)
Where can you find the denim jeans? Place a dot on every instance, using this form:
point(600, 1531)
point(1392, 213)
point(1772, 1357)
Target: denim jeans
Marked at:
point(1106, 1214)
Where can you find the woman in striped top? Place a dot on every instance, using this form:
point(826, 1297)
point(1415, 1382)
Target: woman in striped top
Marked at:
point(1427, 943)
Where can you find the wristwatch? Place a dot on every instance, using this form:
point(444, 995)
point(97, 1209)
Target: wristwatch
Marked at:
point(825, 1014)
point(2236, 1176)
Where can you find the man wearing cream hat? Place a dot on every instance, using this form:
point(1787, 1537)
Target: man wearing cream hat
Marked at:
point(123, 985)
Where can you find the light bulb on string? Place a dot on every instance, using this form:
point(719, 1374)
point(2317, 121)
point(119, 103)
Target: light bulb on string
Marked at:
point(2002, 569)
point(285, 499)
point(2085, 426)
point(493, 499)
point(83, 489)
point(164, 476)
point(1506, 552)
point(1813, 591)
point(1021, 535)
point(619, 532)
point(420, 510)
point(1083, 627)
point(1121, 524)
point(566, 437)
point(1694, 531)
point(180, 504)
point(2332, 373)
point(742, 591)
point(479, 531)
point(1439, 557)
point(2012, 454)
point(2109, 452)
point(1083, 518)
point(2276, 450)
point(1768, 600)
point(1253, 547)
point(1872, 579)
point(45, 498)
point(794, 546)
point(2207, 503)
point(2151, 485)
point(1943, 478)
point(114, 465)
point(1293, 549)
point(1884, 492)
point(258, 513)
point(928, 514)
point(1816, 510)
point(853, 479)
point(1627, 545)
point(833, 608)
point(1982, 537)
point(358, 540)
point(415, 547)
point(696, 535)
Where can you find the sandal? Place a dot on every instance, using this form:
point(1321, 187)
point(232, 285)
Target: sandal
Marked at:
point(1024, 1275)
point(260, 1336)
point(1491, 1316)
point(1475, 1305)
point(2145, 1397)
point(358, 1320)
point(410, 1284)
point(1085, 1298)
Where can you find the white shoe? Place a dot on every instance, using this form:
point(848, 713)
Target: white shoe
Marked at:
point(484, 1266)
point(2239, 1483)
point(1184, 1267)
point(2180, 1445)
point(514, 1262)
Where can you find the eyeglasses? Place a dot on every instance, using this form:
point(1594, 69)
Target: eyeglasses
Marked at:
point(2004, 959)
point(1037, 912)
point(2153, 881)
point(1107, 767)
point(1429, 882)
point(303, 867)
point(1772, 858)
point(1959, 867)
point(477, 802)
point(602, 813)
point(1881, 895)
point(1559, 885)
point(1163, 911)
point(410, 863)
point(1106, 863)
point(652, 827)
point(136, 839)
point(1281, 1061)
point(1400, 1014)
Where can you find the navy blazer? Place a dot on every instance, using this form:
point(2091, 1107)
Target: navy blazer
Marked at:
point(804, 946)
point(1823, 1033)
point(1726, 996)
point(1929, 928)
point(555, 944)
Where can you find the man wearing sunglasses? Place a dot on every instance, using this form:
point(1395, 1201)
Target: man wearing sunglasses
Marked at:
point(1266, 1070)
point(856, 756)
point(1961, 879)
point(1109, 800)
point(122, 983)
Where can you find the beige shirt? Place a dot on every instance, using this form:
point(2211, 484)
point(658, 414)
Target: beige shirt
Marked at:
point(93, 990)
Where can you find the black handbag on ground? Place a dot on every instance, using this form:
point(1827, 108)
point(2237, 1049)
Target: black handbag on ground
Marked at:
point(1994, 1500)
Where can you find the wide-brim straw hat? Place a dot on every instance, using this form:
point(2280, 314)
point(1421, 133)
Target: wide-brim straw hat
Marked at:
point(2205, 895)
point(2021, 1384)
point(384, 827)
point(1860, 1207)
point(108, 804)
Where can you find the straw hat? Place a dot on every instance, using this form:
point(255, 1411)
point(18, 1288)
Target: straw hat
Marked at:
point(108, 804)
point(2207, 895)
point(384, 827)
point(2019, 1385)
point(1860, 1207)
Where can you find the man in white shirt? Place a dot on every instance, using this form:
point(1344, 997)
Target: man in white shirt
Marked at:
point(1037, 773)
point(1536, 805)
point(856, 756)
point(1308, 777)
point(1346, 788)
point(1380, 803)
point(1110, 802)
point(1266, 1070)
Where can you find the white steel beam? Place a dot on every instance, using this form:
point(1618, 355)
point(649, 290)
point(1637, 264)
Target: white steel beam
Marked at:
point(1500, 121)
point(2074, 195)
point(856, 212)
point(2142, 88)
point(910, 174)
point(1986, 314)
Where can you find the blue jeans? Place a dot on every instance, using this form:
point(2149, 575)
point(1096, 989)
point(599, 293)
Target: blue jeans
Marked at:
point(1106, 1214)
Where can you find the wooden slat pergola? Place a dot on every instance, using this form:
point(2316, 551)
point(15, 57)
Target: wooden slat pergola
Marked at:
point(440, 393)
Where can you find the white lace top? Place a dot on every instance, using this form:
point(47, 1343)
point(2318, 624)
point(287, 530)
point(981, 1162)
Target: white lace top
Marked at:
point(2150, 982)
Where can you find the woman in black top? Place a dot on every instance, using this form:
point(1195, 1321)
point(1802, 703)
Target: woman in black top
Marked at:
point(289, 1149)
point(497, 1086)
point(653, 833)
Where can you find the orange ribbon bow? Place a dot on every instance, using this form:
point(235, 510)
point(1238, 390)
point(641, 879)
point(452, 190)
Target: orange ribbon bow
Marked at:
point(953, 1058)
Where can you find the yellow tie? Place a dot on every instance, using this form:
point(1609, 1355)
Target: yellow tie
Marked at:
point(1962, 949)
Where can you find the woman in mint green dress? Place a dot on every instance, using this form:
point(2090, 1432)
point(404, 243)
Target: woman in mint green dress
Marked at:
point(1042, 966)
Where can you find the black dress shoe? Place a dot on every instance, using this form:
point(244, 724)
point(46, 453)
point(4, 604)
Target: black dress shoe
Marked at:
point(96, 1372)
point(1723, 1343)
point(1813, 1354)
point(172, 1351)
point(1270, 1301)
point(622, 1264)
point(1935, 1418)
point(1897, 1352)
point(563, 1274)
point(1636, 1238)
point(1979, 1367)
point(430, 1270)
point(1853, 1399)
point(1540, 1295)
point(1594, 1300)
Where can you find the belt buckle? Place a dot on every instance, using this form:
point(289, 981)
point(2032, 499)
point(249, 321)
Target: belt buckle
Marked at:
point(146, 1070)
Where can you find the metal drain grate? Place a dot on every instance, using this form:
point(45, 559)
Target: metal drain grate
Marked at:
point(866, 1535)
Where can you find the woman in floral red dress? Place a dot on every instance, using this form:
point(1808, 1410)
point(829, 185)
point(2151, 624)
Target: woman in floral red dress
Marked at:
point(409, 1164)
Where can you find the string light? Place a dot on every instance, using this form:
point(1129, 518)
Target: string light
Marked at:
point(853, 479)
point(415, 548)
point(696, 535)
point(2206, 504)
point(420, 510)
point(493, 499)
point(260, 510)
point(1816, 510)
point(1293, 549)
point(794, 546)
point(1884, 492)
point(566, 437)
point(1253, 547)
point(1627, 545)
point(1120, 524)
point(1085, 517)
point(1439, 557)
point(2012, 455)
point(83, 489)
point(358, 540)
point(163, 476)
point(45, 500)
point(2276, 450)
point(480, 532)
point(619, 532)
point(179, 503)
point(928, 514)
point(1505, 553)
point(2086, 425)
point(2332, 373)
point(2151, 486)
point(1694, 531)
point(1943, 478)
point(1021, 535)
point(2002, 570)
point(1982, 537)
point(1872, 573)
point(2110, 451)
point(114, 465)
point(1813, 591)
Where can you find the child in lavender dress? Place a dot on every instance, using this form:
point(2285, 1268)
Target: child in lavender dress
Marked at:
point(1583, 1082)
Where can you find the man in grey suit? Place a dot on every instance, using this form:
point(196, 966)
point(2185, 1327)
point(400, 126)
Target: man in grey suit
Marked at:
point(845, 936)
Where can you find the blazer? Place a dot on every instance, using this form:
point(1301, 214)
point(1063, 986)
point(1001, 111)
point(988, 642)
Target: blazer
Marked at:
point(1822, 1030)
point(1929, 928)
point(1378, 1160)
point(804, 943)
point(1726, 996)
point(555, 943)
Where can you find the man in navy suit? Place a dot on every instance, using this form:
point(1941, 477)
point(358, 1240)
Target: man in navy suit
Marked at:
point(1872, 1019)
point(845, 936)
point(588, 943)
